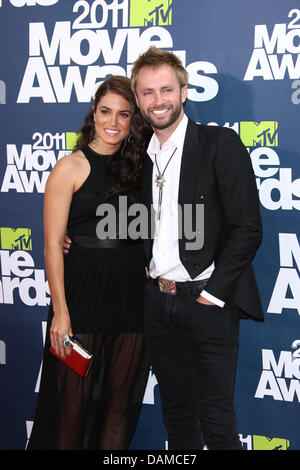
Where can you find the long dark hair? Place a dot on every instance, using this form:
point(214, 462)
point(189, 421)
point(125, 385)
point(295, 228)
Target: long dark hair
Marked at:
point(124, 165)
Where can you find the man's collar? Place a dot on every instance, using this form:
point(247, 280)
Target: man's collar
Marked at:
point(175, 140)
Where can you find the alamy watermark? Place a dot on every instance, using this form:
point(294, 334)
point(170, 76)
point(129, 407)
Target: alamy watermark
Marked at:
point(2, 92)
point(134, 221)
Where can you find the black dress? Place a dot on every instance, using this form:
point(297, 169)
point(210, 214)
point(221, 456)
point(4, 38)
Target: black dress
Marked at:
point(104, 291)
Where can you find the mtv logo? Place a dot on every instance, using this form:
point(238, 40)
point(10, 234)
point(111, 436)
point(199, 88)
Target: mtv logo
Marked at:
point(266, 443)
point(151, 12)
point(15, 238)
point(259, 134)
point(71, 140)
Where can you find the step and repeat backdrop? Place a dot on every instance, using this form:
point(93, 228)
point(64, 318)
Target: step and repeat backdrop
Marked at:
point(243, 60)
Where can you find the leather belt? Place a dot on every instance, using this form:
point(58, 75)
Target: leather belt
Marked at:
point(188, 288)
point(94, 242)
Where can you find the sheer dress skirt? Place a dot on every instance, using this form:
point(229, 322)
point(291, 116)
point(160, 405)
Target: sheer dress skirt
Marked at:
point(105, 291)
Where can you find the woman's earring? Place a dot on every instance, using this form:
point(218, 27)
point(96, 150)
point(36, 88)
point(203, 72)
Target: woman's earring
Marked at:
point(128, 138)
point(93, 134)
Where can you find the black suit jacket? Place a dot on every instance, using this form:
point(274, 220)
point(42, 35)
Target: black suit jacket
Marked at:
point(216, 171)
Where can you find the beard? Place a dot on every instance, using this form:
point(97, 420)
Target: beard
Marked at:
point(161, 123)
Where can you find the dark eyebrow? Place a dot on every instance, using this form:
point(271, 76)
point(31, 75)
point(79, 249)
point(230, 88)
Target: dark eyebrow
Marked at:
point(121, 110)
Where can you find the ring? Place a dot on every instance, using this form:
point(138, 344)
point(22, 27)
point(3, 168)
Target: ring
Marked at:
point(66, 341)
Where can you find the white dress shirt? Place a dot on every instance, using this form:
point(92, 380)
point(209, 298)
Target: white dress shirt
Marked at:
point(165, 261)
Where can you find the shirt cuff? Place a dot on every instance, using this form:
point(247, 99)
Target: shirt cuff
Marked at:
point(213, 299)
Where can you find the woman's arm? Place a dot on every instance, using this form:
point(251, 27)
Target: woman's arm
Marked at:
point(58, 195)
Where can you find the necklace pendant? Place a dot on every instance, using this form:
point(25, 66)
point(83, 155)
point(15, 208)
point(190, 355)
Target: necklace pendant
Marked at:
point(160, 180)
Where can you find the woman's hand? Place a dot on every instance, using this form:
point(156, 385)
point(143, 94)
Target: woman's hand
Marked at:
point(60, 326)
point(66, 244)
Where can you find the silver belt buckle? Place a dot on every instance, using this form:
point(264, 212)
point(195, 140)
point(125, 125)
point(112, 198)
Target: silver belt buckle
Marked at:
point(166, 286)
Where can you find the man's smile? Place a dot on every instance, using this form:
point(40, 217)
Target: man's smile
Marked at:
point(160, 112)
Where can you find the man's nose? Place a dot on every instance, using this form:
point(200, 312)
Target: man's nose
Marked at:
point(158, 99)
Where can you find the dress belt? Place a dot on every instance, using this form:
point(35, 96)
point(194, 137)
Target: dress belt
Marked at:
point(94, 242)
point(188, 288)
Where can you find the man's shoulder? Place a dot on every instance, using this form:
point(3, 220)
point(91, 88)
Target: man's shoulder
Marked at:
point(212, 131)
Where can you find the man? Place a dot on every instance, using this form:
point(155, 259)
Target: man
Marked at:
point(195, 294)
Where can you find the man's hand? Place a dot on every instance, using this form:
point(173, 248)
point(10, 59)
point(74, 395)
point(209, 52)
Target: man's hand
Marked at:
point(66, 245)
point(203, 300)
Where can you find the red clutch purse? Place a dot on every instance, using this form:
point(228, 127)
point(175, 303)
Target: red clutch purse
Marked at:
point(79, 359)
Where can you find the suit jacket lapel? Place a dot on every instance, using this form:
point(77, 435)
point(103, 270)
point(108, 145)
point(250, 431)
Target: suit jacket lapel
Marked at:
point(147, 179)
point(190, 163)
point(189, 173)
point(146, 199)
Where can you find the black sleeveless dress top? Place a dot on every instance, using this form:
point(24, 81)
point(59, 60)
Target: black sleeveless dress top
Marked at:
point(82, 215)
point(104, 286)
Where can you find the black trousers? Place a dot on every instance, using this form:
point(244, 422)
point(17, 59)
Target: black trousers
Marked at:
point(193, 351)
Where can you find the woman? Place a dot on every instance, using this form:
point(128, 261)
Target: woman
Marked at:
point(97, 288)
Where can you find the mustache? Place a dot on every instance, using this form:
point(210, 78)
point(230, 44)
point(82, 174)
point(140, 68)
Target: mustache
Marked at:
point(159, 108)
